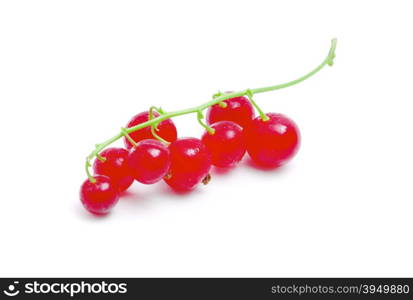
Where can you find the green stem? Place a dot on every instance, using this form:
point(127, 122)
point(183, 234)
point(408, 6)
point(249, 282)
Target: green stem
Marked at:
point(200, 117)
point(128, 137)
point(328, 61)
point(88, 165)
point(154, 127)
point(263, 116)
point(217, 99)
point(102, 159)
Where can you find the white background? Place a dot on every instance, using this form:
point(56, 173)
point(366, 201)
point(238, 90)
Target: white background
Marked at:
point(73, 72)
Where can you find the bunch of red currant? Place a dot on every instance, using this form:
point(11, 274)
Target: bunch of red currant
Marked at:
point(154, 152)
point(186, 162)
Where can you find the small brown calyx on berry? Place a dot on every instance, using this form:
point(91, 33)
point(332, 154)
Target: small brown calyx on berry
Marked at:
point(206, 179)
point(168, 176)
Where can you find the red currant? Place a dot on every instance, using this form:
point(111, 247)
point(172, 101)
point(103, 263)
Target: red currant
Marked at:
point(99, 197)
point(149, 161)
point(115, 166)
point(238, 110)
point(167, 129)
point(190, 164)
point(226, 145)
point(273, 142)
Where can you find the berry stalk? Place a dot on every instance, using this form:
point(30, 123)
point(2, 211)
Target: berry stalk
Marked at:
point(218, 98)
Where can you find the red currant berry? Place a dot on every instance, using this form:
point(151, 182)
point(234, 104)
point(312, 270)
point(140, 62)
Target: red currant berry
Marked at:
point(167, 129)
point(99, 197)
point(115, 166)
point(273, 142)
point(190, 164)
point(149, 161)
point(238, 110)
point(227, 145)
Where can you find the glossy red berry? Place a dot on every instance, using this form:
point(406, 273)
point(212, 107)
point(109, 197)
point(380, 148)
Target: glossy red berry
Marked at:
point(167, 129)
point(238, 110)
point(115, 166)
point(190, 164)
point(149, 161)
point(227, 145)
point(99, 197)
point(273, 142)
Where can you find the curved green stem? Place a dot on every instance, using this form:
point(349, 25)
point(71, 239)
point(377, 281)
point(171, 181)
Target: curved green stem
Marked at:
point(101, 158)
point(128, 137)
point(263, 116)
point(217, 94)
point(200, 117)
point(154, 127)
point(88, 165)
point(328, 61)
point(218, 98)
